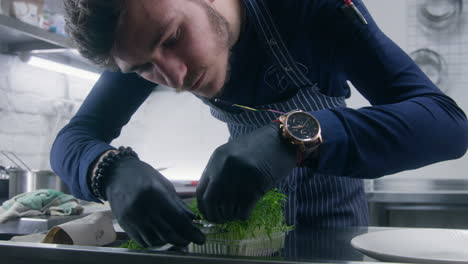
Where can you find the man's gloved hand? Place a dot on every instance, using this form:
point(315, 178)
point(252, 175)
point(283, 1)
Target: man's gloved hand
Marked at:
point(241, 171)
point(147, 207)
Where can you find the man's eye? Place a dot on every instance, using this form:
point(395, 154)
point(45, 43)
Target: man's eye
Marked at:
point(173, 39)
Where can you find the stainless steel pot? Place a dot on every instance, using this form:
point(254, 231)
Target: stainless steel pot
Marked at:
point(4, 183)
point(22, 181)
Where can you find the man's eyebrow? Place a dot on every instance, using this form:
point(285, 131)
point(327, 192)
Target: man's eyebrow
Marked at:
point(156, 41)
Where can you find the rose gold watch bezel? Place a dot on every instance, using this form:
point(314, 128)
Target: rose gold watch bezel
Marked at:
point(311, 143)
point(284, 120)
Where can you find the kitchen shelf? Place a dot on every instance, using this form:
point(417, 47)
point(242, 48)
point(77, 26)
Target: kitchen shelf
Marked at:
point(19, 38)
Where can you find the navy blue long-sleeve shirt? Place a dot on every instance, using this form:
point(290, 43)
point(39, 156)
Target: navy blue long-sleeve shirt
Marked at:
point(410, 124)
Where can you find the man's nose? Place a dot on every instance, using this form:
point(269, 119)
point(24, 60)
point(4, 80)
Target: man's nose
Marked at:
point(172, 69)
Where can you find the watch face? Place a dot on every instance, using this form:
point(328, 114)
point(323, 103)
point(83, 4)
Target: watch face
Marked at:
point(302, 126)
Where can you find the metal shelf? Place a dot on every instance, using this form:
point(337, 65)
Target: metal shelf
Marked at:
point(18, 38)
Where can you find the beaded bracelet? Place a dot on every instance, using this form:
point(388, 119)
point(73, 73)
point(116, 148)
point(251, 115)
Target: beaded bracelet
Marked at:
point(104, 166)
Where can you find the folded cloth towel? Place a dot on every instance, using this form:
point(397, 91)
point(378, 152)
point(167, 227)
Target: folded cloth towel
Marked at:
point(40, 202)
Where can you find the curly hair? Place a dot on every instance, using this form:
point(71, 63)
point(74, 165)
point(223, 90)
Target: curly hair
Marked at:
point(92, 26)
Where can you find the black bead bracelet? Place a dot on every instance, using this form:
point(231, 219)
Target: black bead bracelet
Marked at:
point(104, 167)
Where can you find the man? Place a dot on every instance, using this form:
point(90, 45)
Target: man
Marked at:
point(275, 57)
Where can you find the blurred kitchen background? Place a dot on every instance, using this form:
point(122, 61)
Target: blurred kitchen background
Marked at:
point(38, 99)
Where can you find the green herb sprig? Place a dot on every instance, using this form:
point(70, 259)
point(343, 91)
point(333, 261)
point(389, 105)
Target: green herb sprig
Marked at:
point(267, 218)
point(131, 244)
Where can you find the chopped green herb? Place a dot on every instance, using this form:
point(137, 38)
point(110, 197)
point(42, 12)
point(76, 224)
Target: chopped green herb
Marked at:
point(131, 244)
point(267, 218)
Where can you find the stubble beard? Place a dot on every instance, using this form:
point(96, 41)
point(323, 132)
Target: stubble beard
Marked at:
point(220, 27)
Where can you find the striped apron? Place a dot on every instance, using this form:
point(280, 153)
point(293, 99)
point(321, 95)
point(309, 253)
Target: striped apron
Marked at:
point(314, 199)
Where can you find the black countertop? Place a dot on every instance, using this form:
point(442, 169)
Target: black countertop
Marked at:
point(302, 245)
point(324, 244)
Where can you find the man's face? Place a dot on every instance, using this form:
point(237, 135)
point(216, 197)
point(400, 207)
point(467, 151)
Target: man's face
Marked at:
point(182, 44)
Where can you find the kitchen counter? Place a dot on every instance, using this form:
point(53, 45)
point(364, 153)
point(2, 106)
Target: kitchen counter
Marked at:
point(428, 197)
point(433, 191)
point(302, 245)
point(418, 202)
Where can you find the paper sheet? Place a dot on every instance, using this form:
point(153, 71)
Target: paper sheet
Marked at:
point(94, 230)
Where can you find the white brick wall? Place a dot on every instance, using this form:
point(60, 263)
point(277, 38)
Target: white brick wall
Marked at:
point(174, 130)
point(31, 80)
point(34, 105)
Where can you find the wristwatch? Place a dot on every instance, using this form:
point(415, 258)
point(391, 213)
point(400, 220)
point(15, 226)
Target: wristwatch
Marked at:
point(302, 130)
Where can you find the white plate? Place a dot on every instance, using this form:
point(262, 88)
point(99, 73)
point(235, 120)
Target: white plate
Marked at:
point(417, 245)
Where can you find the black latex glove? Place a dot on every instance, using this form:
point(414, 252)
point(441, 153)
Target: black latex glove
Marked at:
point(147, 207)
point(241, 171)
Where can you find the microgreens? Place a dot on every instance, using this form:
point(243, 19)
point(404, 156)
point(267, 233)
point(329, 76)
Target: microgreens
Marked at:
point(131, 244)
point(267, 218)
